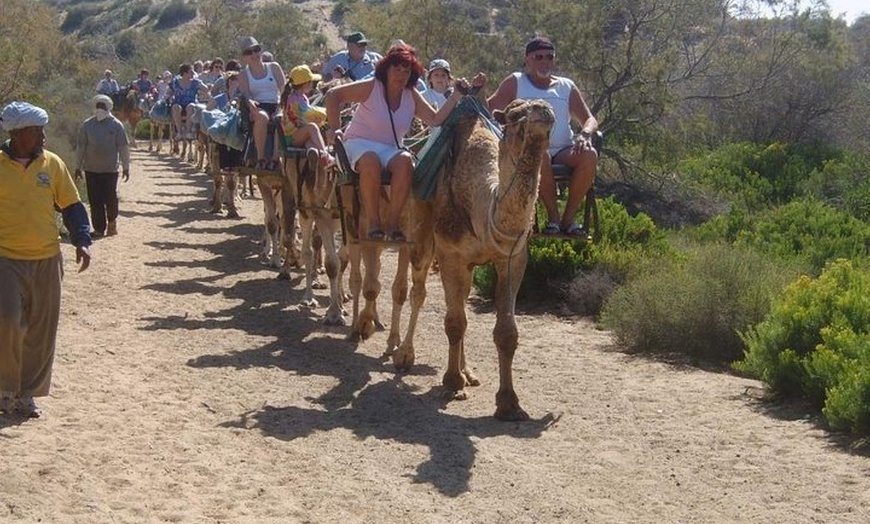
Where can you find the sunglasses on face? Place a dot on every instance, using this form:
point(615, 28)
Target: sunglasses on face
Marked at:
point(548, 56)
point(249, 52)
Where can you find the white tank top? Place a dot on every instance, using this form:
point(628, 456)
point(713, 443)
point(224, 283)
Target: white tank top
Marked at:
point(264, 89)
point(558, 96)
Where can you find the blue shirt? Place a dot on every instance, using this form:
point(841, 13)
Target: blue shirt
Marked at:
point(354, 70)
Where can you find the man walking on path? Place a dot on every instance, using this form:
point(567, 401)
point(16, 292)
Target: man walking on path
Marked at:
point(102, 145)
point(33, 184)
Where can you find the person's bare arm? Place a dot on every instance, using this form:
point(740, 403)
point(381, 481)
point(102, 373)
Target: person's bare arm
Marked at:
point(504, 94)
point(338, 96)
point(580, 111)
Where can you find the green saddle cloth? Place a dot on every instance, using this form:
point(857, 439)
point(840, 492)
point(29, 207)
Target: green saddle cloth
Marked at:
point(438, 148)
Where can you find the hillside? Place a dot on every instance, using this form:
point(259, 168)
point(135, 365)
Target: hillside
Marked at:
point(110, 19)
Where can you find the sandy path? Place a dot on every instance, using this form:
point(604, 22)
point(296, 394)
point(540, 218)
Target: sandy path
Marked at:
point(189, 387)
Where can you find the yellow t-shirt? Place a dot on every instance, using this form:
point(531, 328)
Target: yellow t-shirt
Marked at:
point(28, 218)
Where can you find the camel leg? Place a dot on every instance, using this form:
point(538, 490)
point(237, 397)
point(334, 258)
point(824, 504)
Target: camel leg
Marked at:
point(307, 225)
point(354, 254)
point(400, 294)
point(288, 217)
point(510, 275)
point(334, 313)
point(271, 254)
point(404, 356)
point(371, 288)
point(216, 199)
point(231, 179)
point(456, 290)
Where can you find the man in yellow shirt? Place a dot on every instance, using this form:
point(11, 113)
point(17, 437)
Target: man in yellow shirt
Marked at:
point(34, 183)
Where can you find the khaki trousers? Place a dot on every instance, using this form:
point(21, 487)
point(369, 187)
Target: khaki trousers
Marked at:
point(29, 313)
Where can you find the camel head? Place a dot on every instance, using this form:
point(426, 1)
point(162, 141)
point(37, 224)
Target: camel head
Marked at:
point(527, 125)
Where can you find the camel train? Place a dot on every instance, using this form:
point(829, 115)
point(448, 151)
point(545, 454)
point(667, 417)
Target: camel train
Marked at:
point(481, 212)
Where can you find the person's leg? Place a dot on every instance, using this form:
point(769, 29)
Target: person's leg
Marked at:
point(261, 122)
point(585, 164)
point(97, 202)
point(401, 169)
point(12, 326)
point(110, 190)
point(176, 119)
point(547, 190)
point(41, 318)
point(369, 168)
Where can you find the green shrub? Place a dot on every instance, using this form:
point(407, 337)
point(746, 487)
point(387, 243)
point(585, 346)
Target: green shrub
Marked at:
point(806, 230)
point(555, 263)
point(815, 344)
point(697, 306)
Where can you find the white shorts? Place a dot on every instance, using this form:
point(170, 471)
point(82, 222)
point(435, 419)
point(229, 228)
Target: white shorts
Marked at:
point(357, 147)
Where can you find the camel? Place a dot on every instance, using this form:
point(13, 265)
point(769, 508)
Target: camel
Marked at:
point(312, 187)
point(481, 213)
point(158, 123)
point(125, 106)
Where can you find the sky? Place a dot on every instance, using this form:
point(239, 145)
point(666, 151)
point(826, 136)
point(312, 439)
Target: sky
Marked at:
point(852, 8)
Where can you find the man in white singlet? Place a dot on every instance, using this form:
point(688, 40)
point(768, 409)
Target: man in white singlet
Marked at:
point(537, 81)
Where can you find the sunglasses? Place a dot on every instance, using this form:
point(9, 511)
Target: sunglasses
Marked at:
point(249, 52)
point(548, 56)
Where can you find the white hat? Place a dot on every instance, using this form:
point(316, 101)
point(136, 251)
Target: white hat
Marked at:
point(104, 99)
point(18, 115)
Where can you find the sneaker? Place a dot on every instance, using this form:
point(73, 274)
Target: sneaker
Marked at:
point(27, 407)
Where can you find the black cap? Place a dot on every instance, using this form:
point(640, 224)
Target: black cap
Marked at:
point(539, 43)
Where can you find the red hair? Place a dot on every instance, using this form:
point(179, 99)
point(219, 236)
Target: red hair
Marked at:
point(400, 55)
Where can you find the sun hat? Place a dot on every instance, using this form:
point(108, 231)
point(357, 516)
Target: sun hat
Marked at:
point(249, 42)
point(356, 38)
point(18, 115)
point(167, 74)
point(104, 99)
point(302, 74)
point(439, 63)
point(539, 43)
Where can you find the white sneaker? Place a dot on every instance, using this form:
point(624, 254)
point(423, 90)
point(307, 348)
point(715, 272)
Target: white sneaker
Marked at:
point(27, 407)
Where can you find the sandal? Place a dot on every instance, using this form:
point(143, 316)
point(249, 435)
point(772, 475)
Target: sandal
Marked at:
point(576, 230)
point(552, 229)
point(376, 235)
point(397, 236)
point(27, 407)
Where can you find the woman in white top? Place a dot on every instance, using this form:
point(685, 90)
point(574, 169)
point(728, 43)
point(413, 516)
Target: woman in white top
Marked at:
point(261, 83)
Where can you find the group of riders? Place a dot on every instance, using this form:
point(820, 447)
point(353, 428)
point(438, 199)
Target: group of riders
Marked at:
point(258, 86)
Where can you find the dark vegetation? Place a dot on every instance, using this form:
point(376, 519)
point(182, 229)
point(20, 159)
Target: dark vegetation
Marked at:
point(736, 159)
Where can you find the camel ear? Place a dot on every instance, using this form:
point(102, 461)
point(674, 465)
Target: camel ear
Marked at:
point(499, 116)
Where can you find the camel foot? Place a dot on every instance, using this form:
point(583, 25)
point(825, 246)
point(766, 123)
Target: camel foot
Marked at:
point(215, 210)
point(283, 275)
point(367, 329)
point(378, 326)
point(470, 378)
point(508, 407)
point(309, 302)
point(454, 381)
point(450, 395)
point(317, 284)
point(403, 359)
point(335, 319)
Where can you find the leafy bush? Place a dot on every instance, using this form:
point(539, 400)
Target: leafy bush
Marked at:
point(555, 263)
point(754, 176)
point(76, 15)
point(174, 14)
point(695, 307)
point(815, 344)
point(807, 230)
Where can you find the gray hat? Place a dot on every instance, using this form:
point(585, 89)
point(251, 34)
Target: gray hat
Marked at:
point(439, 63)
point(18, 115)
point(249, 42)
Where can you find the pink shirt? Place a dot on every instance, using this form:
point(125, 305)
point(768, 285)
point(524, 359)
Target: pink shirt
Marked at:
point(371, 119)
